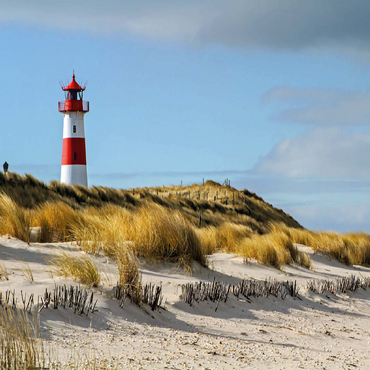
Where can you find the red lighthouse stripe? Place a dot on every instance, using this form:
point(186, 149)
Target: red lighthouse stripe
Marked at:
point(74, 151)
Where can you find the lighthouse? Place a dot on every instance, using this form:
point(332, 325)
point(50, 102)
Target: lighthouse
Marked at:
point(74, 170)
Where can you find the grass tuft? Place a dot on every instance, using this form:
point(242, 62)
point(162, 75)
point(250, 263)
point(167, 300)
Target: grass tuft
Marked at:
point(275, 249)
point(129, 275)
point(226, 237)
point(3, 272)
point(350, 248)
point(55, 220)
point(14, 220)
point(81, 267)
point(153, 232)
point(27, 272)
point(163, 234)
point(20, 345)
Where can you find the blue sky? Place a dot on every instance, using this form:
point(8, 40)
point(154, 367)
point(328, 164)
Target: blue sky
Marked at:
point(271, 94)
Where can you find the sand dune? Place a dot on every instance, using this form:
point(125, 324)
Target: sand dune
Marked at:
point(320, 331)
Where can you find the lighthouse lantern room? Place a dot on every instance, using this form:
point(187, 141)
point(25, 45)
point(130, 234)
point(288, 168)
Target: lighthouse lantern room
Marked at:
point(74, 170)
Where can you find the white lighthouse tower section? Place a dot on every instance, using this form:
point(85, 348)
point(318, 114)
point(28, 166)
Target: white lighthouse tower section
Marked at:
point(73, 127)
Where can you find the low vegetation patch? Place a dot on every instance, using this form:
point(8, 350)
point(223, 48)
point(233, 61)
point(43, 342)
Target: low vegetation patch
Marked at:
point(153, 232)
point(22, 348)
point(275, 249)
point(163, 234)
point(176, 223)
point(14, 220)
point(81, 267)
point(20, 344)
point(350, 248)
point(55, 220)
point(3, 272)
point(225, 237)
point(27, 272)
point(217, 291)
point(344, 284)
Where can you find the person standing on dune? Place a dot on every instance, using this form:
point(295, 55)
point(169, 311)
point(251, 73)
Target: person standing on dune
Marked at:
point(5, 166)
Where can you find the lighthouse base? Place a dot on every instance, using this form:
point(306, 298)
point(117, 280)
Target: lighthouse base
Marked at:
point(74, 175)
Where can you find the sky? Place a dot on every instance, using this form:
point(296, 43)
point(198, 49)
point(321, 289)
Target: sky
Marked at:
point(273, 95)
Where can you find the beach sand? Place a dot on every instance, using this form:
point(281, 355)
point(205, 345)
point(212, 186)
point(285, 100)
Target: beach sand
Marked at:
point(318, 331)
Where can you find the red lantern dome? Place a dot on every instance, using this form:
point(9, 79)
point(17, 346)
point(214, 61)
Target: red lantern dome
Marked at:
point(73, 98)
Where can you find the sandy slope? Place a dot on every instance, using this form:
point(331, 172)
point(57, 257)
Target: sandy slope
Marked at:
point(318, 332)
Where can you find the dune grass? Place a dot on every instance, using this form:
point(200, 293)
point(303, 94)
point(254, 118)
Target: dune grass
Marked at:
point(81, 267)
point(3, 272)
point(27, 272)
point(349, 248)
point(163, 234)
point(22, 348)
point(225, 237)
point(275, 249)
point(55, 220)
point(217, 202)
point(14, 220)
point(20, 344)
point(153, 232)
point(129, 274)
point(162, 223)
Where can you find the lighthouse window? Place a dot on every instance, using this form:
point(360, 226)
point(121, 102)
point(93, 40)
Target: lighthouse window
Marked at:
point(74, 129)
point(75, 156)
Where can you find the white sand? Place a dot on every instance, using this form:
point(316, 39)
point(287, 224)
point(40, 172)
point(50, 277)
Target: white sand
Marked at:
point(318, 332)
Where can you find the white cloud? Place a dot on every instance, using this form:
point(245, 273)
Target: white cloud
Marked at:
point(279, 25)
point(321, 106)
point(320, 153)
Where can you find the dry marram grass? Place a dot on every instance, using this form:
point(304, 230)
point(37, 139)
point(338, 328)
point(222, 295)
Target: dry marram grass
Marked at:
point(226, 237)
point(275, 249)
point(22, 348)
point(81, 267)
point(55, 220)
point(350, 248)
point(164, 227)
point(14, 220)
point(3, 272)
point(20, 344)
point(27, 272)
point(153, 232)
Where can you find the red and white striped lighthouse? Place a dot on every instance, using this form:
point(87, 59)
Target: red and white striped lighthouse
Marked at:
point(74, 170)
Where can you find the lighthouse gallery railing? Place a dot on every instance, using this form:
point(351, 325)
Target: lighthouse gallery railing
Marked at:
point(73, 105)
